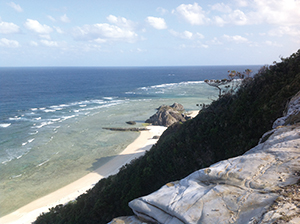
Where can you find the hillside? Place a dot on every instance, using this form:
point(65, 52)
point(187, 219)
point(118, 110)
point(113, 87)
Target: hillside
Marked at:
point(229, 127)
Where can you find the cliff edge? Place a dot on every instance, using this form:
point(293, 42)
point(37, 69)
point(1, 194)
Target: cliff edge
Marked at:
point(237, 190)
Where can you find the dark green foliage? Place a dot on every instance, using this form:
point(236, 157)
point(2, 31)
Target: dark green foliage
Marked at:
point(228, 127)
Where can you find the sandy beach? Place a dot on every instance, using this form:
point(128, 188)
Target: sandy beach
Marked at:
point(29, 212)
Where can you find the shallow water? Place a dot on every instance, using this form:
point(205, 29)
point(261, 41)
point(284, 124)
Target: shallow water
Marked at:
point(52, 139)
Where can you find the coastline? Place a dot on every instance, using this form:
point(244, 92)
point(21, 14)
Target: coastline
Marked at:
point(31, 211)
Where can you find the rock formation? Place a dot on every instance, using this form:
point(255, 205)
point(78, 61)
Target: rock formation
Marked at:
point(237, 190)
point(167, 115)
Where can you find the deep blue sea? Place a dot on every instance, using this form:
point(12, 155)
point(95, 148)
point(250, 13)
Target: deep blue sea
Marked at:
point(51, 119)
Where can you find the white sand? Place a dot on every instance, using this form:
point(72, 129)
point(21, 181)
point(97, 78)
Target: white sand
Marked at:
point(29, 212)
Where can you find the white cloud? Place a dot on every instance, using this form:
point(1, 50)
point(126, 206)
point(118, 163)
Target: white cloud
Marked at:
point(193, 14)
point(35, 26)
point(65, 19)
point(161, 10)
point(187, 35)
point(156, 22)
point(279, 12)
point(221, 7)
point(285, 30)
point(273, 43)
point(58, 29)
point(9, 43)
point(49, 43)
point(237, 17)
point(33, 43)
point(15, 6)
point(105, 32)
point(237, 39)
point(242, 3)
point(51, 18)
point(121, 22)
point(7, 28)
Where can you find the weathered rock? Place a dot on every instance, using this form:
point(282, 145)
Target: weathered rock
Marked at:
point(237, 190)
point(167, 115)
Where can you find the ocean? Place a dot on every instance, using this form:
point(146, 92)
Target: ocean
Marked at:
point(51, 119)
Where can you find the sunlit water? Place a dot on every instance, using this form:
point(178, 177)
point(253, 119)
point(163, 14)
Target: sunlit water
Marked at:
point(52, 118)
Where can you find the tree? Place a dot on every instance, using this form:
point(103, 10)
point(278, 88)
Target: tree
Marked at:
point(230, 84)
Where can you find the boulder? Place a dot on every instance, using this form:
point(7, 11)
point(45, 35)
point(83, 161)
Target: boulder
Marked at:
point(167, 115)
point(237, 190)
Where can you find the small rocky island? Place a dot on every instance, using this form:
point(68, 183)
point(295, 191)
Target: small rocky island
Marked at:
point(165, 116)
point(168, 115)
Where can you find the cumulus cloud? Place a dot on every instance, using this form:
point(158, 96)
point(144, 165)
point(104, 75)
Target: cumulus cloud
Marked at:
point(157, 23)
point(104, 32)
point(193, 14)
point(65, 19)
point(9, 43)
point(121, 22)
point(49, 43)
point(279, 12)
point(36, 27)
point(236, 39)
point(15, 6)
point(187, 35)
point(7, 28)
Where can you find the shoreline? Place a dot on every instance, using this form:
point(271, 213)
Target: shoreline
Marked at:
point(137, 148)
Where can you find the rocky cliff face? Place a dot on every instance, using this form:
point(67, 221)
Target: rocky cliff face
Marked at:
point(167, 115)
point(238, 190)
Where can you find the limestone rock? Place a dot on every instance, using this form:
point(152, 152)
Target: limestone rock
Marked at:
point(237, 190)
point(167, 115)
point(292, 114)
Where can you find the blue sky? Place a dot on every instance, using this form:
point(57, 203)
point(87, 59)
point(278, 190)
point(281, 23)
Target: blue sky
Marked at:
point(147, 33)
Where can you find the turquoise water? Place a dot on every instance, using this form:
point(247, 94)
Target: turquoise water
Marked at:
point(54, 138)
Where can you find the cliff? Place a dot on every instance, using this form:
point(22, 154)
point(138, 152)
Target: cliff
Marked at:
point(228, 128)
point(237, 190)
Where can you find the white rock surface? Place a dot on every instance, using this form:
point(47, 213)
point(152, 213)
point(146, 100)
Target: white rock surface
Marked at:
point(237, 190)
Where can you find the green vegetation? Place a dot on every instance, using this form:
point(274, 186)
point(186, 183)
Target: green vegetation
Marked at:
point(228, 127)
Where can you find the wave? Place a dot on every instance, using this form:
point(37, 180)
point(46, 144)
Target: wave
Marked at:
point(5, 125)
point(167, 85)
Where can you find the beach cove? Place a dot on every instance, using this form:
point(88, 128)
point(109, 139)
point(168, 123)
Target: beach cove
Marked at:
point(29, 212)
point(51, 129)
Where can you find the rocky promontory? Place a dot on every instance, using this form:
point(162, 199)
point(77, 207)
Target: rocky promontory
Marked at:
point(167, 115)
point(244, 189)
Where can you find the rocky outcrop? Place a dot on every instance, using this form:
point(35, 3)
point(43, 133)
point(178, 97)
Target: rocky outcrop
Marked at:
point(167, 115)
point(238, 190)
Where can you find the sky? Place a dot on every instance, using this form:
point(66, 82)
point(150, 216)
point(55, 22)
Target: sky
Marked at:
point(147, 33)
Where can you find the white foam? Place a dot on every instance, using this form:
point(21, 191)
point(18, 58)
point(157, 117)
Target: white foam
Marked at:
point(49, 110)
point(14, 118)
point(44, 124)
point(171, 85)
point(5, 125)
point(34, 133)
point(38, 118)
point(43, 163)
point(30, 140)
